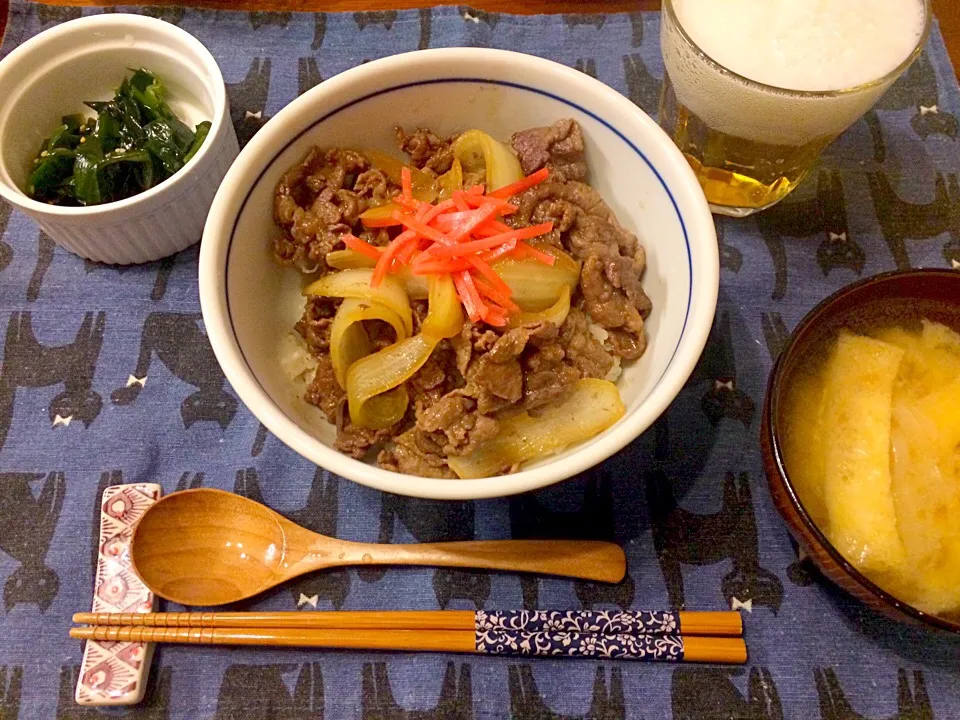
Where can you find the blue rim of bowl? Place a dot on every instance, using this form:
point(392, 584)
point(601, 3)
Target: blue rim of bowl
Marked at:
point(442, 81)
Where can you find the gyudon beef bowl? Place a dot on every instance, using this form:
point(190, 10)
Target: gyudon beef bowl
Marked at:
point(459, 273)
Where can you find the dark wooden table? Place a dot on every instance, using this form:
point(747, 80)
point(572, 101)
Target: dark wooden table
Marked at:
point(947, 11)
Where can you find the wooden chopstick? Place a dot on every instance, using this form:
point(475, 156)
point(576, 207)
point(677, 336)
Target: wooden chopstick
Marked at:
point(320, 620)
point(650, 648)
point(629, 622)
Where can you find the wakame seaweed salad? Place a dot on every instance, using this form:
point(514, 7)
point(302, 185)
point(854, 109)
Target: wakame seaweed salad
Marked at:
point(135, 142)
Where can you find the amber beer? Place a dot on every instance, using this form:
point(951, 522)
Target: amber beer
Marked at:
point(754, 90)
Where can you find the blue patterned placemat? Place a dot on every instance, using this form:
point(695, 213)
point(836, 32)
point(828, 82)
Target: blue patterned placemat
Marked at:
point(107, 377)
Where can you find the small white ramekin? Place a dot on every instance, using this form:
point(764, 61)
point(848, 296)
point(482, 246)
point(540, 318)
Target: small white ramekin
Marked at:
point(52, 75)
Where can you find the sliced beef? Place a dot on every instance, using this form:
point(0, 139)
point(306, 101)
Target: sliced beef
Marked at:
point(463, 348)
point(559, 148)
point(373, 185)
point(542, 333)
point(624, 274)
point(457, 421)
point(314, 204)
point(509, 346)
point(495, 378)
point(420, 310)
point(627, 344)
point(473, 339)
point(611, 308)
point(527, 364)
point(427, 150)
point(381, 334)
point(356, 441)
point(436, 378)
point(325, 392)
point(314, 324)
point(583, 349)
point(551, 383)
point(495, 386)
point(455, 427)
point(407, 456)
point(557, 358)
point(589, 225)
point(483, 338)
point(613, 259)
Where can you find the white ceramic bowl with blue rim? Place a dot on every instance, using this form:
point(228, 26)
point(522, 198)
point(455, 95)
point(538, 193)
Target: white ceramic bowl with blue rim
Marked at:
point(250, 303)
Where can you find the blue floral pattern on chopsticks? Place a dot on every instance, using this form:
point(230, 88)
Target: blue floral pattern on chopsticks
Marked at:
point(597, 622)
point(662, 648)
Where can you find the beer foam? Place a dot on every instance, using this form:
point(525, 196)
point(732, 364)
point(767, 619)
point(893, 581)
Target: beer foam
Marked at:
point(805, 44)
point(787, 43)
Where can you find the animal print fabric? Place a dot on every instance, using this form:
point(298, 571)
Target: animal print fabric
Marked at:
point(107, 378)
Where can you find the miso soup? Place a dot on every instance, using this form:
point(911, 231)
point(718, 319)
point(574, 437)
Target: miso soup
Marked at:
point(870, 434)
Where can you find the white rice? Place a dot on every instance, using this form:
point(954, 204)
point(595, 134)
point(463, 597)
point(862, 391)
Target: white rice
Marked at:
point(603, 337)
point(613, 374)
point(295, 358)
point(599, 333)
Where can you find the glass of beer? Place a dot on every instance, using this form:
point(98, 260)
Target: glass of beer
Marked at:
point(754, 90)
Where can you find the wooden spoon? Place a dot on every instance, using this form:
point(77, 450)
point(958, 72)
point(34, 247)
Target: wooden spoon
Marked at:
point(210, 547)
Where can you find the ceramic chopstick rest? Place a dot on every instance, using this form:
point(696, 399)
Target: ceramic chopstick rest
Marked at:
point(116, 673)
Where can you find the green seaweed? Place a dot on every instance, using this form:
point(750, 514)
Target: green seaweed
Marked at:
point(135, 142)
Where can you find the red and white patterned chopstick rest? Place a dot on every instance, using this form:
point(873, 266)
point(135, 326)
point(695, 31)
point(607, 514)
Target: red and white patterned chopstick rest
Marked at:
point(115, 673)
